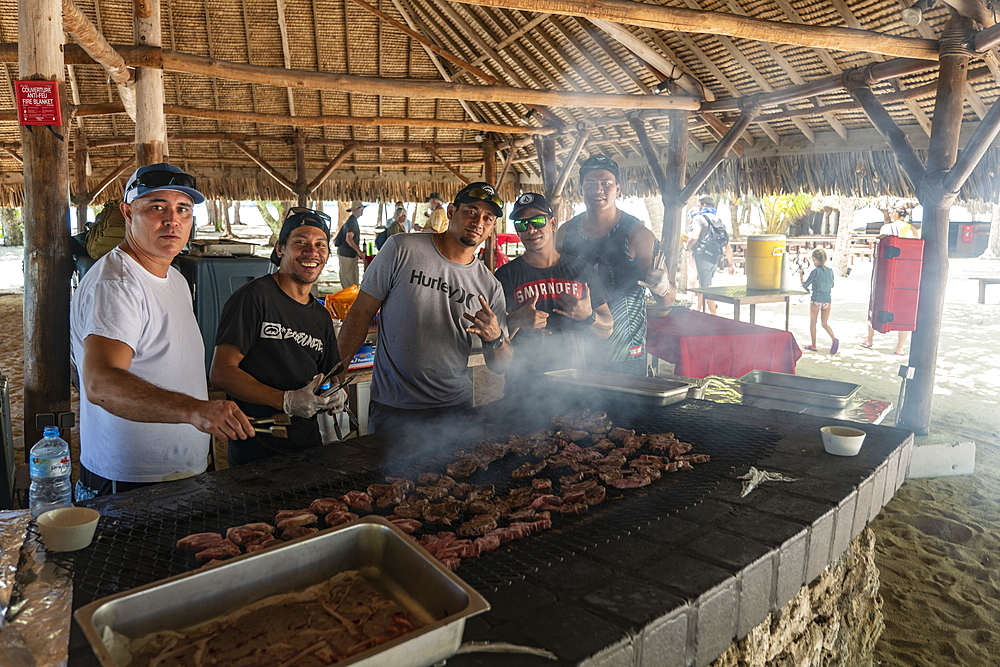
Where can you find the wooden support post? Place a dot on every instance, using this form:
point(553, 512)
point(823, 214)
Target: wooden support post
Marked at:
point(490, 176)
point(894, 136)
point(47, 263)
point(569, 164)
point(447, 165)
point(150, 121)
point(301, 182)
point(915, 412)
point(676, 176)
point(506, 166)
point(268, 169)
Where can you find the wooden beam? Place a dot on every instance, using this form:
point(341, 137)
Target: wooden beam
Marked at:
point(652, 159)
point(975, 148)
point(285, 52)
point(675, 19)
point(719, 129)
point(718, 155)
point(506, 167)
point(268, 169)
point(151, 123)
point(447, 165)
point(47, 258)
point(330, 168)
point(894, 136)
point(276, 76)
point(654, 58)
point(570, 162)
point(74, 54)
point(986, 39)
point(111, 177)
point(490, 176)
point(14, 154)
point(81, 198)
point(92, 41)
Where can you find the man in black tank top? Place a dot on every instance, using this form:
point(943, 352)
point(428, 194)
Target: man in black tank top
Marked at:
point(621, 249)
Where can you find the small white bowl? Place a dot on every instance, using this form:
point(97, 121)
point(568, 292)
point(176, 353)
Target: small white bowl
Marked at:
point(842, 440)
point(68, 528)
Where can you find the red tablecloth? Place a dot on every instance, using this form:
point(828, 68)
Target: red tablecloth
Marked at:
point(699, 345)
point(508, 238)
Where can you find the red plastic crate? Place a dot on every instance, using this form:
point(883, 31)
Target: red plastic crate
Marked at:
point(895, 284)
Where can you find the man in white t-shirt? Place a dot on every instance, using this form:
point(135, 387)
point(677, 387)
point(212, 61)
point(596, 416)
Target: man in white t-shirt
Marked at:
point(145, 416)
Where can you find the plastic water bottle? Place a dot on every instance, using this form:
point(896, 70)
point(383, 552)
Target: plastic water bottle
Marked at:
point(50, 471)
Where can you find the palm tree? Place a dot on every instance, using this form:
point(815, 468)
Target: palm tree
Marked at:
point(779, 211)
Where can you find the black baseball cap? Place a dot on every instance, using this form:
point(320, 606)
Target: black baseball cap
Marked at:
point(298, 217)
point(480, 191)
point(600, 162)
point(161, 176)
point(529, 200)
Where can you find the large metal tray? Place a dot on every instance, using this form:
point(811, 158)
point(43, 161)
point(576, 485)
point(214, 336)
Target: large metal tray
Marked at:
point(798, 389)
point(391, 561)
point(652, 391)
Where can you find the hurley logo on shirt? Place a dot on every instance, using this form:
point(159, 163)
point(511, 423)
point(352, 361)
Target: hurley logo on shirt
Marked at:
point(454, 292)
point(549, 288)
point(276, 331)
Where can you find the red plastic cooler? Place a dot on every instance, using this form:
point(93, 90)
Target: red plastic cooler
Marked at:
point(895, 284)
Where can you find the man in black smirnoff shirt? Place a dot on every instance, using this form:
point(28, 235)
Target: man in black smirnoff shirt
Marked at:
point(275, 342)
point(555, 301)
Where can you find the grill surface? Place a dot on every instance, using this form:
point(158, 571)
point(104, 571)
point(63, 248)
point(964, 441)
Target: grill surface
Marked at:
point(135, 540)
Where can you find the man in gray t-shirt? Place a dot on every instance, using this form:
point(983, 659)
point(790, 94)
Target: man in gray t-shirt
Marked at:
point(438, 303)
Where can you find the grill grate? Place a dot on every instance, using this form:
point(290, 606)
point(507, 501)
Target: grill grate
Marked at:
point(136, 546)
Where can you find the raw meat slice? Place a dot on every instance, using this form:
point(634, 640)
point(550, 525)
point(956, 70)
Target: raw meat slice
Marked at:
point(224, 549)
point(292, 532)
point(199, 541)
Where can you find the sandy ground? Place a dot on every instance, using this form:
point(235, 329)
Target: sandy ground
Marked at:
point(937, 540)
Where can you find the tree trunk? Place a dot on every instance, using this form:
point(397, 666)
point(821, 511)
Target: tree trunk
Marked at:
point(227, 227)
point(13, 230)
point(654, 209)
point(237, 205)
point(842, 247)
point(273, 222)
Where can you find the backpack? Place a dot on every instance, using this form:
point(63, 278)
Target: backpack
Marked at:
point(107, 231)
point(381, 238)
point(713, 239)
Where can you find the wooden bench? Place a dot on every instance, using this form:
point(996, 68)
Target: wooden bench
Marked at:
point(983, 282)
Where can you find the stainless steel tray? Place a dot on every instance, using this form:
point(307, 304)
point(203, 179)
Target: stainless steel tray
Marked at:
point(798, 389)
point(389, 559)
point(652, 391)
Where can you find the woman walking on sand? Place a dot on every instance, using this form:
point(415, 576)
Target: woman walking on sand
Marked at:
point(821, 282)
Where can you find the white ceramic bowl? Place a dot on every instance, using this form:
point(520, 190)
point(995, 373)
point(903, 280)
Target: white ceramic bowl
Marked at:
point(68, 528)
point(842, 440)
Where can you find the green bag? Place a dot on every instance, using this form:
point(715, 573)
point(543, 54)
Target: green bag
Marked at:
point(107, 231)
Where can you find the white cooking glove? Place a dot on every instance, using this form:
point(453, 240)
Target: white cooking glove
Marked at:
point(304, 402)
point(336, 402)
point(658, 282)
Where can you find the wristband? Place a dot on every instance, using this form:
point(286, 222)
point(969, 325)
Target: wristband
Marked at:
point(593, 318)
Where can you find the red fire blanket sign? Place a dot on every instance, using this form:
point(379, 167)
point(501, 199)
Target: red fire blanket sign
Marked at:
point(37, 102)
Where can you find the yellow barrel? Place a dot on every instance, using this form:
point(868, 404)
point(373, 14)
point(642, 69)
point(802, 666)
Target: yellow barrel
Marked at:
point(763, 261)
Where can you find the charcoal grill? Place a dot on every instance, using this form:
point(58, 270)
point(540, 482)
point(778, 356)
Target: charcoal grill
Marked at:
point(135, 540)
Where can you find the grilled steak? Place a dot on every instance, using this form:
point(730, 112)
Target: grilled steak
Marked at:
point(242, 536)
point(529, 469)
point(302, 518)
point(463, 468)
point(359, 500)
point(574, 508)
point(477, 526)
point(292, 532)
point(221, 550)
point(199, 541)
point(270, 541)
point(445, 512)
point(595, 496)
point(546, 503)
point(413, 509)
point(433, 492)
point(337, 518)
point(323, 506)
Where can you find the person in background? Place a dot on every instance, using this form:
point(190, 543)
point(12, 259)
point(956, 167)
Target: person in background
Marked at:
point(348, 244)
point(275, 343)
point(145, 416)
point(820, 283)
point(555, 302)
point(899, 226)
point(438, 305)
point(407, 224)
point(707, 243)
point(437, 216)
point(625, 255)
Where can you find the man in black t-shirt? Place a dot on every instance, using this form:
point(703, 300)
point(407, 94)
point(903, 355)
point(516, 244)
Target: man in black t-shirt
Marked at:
point(348, 243)
point(275, 343)
point(555, 301)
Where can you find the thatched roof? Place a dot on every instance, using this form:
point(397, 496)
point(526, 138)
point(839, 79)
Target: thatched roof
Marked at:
point(820, 143)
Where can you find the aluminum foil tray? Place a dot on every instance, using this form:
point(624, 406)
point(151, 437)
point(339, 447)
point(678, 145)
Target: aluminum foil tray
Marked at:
point(651, 391)
point(390, 560)
point(798, 389)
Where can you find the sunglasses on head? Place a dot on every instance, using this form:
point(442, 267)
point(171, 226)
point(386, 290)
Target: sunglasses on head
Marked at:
point(481, 195)
point(161, 177)
point(537, 222)
point(301, 210)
